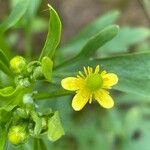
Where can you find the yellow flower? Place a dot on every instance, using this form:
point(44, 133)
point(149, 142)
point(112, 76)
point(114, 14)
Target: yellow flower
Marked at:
point(91, 84)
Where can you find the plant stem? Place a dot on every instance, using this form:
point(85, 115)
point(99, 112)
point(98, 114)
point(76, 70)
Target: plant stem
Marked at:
point(28, 41)
point(44, 96)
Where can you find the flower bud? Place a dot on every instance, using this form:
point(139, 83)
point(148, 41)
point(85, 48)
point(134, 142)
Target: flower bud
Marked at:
point(17, 134)
point(17, 64)
point(37, 74)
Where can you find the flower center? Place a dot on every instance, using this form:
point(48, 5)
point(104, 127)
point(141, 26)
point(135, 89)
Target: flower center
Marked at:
point(94, 82)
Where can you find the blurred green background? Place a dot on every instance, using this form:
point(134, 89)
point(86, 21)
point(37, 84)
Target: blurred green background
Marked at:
point(127, 125)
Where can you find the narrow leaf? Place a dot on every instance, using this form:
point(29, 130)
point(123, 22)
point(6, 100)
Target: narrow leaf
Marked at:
point(54, 34)
point(98, 41)
point(78, 41)
point(127, 37)
point(15, 15)
point(32, 9)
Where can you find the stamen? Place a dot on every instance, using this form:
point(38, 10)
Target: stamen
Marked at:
point(85, 71)
point(81, 74)
point(97, 69)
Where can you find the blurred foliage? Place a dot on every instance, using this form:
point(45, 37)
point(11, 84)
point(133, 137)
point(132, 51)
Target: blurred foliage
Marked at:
point(124, 51)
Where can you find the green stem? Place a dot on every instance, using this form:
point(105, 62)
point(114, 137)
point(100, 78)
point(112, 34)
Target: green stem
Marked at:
point(28, 41)
point(39, 144)
point(44, 96)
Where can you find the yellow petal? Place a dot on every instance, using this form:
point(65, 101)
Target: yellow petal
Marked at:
point(104, 99)
point(72, 83)
point(109, 80)
point(80, 100)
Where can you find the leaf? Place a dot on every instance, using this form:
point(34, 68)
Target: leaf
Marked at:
point(55, 130)
point(54, 34)
point(4, 58)
point(98, 41)
point(126, 37)
point(32, 10)
point(78, 41)
point(133, 71)
point(131, 99)
point(3, 136)
point(47, 66)
point(15, 15)
point(10, 97)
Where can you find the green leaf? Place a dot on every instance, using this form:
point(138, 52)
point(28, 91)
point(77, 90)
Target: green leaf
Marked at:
point(4, 58)
point(10, 97)
point(32, 10)
point(54, 34)
point(15, 15)
point(133, 71)
point(55, 130)
point(3, 136)
point(98, 41)
point(126, 37)
point(75, 44)
point(47, 66)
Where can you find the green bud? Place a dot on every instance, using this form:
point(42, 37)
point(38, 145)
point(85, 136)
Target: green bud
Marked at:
point(37, 74)
point(17, 64)
point(24, 82)
point(17, 135)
